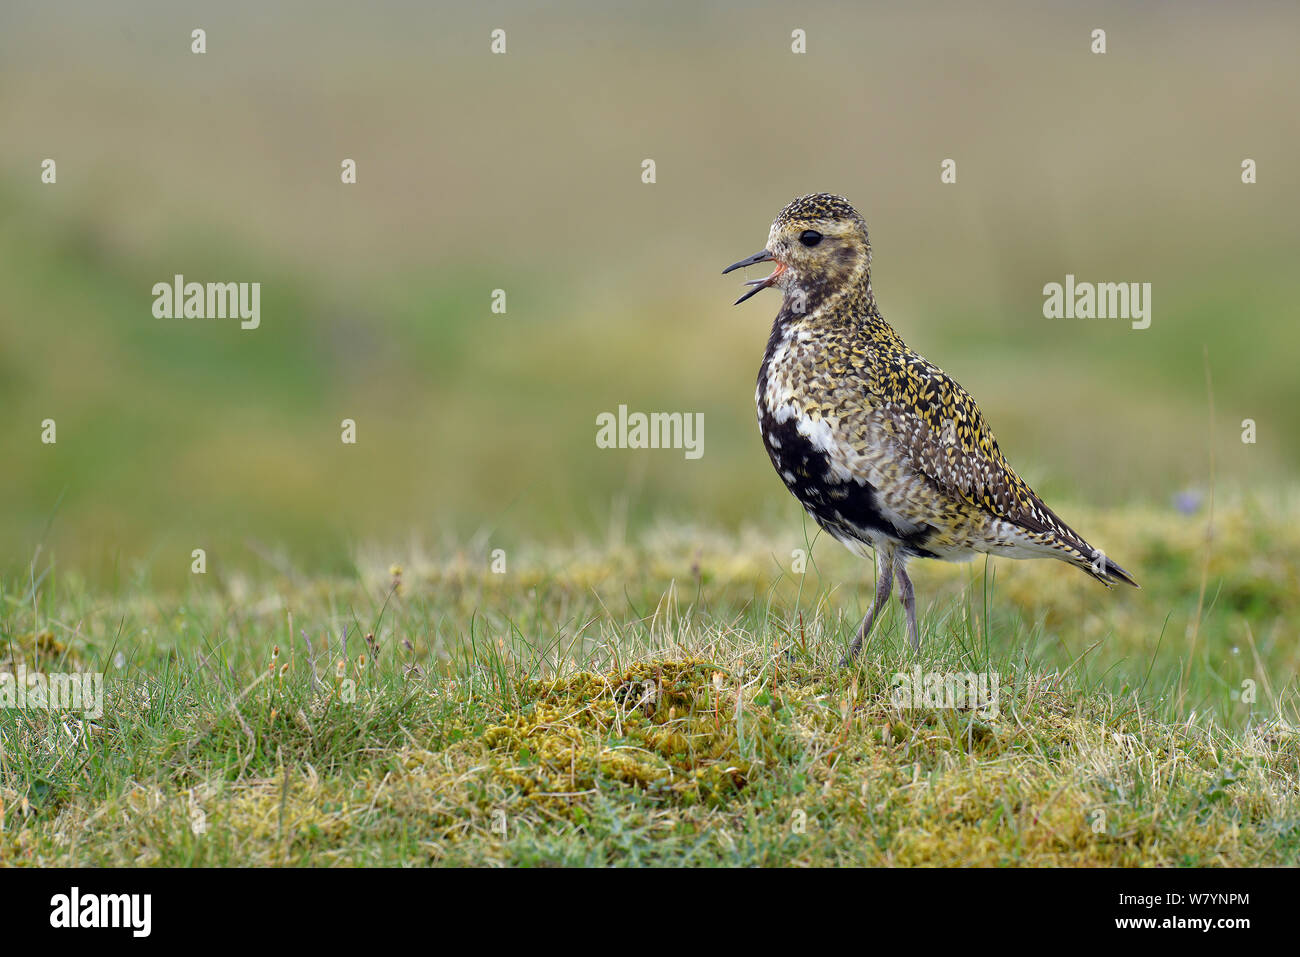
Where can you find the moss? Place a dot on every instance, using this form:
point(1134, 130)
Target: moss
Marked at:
point(723, 735)
point(670, 728)
point(31, 649)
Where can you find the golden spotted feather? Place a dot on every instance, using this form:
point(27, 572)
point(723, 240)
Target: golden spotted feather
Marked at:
point(881, 446)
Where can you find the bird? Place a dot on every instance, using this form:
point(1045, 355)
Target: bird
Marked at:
point(884, 450)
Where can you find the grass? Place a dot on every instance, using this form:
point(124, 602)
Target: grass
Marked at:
point(668, 694)
point(669, 701)
point(376, 300)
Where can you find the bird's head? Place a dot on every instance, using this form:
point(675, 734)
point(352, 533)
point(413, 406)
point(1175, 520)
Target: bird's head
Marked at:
point(818, 242)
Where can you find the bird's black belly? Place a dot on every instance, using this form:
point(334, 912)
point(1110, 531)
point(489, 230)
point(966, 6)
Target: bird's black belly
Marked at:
point(850, 511)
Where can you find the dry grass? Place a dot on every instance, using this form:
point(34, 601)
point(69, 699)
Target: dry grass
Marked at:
point(670, 701)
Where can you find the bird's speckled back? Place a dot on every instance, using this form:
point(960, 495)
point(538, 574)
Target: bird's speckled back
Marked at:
point(879, 444)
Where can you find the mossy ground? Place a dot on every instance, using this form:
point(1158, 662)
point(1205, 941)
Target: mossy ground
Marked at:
point(671, 702)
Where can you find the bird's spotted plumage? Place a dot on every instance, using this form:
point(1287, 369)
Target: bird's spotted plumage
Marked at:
point(883, 448)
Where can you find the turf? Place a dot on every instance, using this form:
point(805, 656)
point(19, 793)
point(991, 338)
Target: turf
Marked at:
point(669, 701)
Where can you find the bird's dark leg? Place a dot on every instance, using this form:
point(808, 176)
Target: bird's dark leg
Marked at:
point(884, 584)
point(907, 598)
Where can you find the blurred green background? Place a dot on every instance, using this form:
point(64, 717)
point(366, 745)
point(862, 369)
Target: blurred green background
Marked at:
point(523, 172)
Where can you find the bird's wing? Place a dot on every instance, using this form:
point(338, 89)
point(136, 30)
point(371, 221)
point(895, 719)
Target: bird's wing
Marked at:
point(939, 432)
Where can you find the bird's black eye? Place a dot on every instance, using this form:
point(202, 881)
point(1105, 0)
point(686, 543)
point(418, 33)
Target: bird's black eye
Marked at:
point(810, 237)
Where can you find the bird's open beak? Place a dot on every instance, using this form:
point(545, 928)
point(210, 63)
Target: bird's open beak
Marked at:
point(761, 256)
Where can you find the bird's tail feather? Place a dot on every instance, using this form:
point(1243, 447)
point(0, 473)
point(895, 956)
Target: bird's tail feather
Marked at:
point(1106, 571)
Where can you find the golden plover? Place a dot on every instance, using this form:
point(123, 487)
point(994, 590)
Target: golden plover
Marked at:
point(881, 447)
